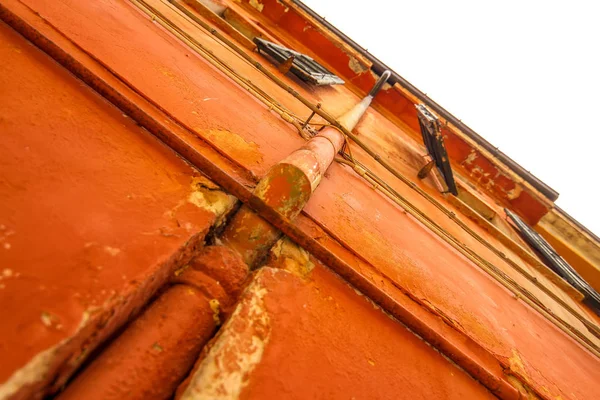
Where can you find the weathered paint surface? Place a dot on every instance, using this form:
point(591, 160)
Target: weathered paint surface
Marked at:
point(249, 235)
point(159, 346)
point(223, 372)
point(449, 285)
point(204, 101)
point(317, 338)
point(215, 19)
point(156, 351)
point(462, 307)
point(287, 255)
point(95, 216)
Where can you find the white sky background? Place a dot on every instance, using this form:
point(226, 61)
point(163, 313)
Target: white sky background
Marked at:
point(525, 75)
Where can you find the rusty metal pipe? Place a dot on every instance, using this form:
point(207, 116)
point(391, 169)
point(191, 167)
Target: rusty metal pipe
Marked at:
point(287, 187)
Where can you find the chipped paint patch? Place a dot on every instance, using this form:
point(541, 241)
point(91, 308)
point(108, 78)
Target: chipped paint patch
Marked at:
point(356, 66)
point(157, 347)
point(287, 255)
point(256, 4)
point(35, 370)
point(470, 158)
point(246, 152)
point(514, 193)
point(239, 348)
point(208, 196)
point(517, 376)
point(215, 306)
point(48, 319)
point(516, 364)
point(113, 251)
point(285, 6)
point(286, 187)
point(524, 391)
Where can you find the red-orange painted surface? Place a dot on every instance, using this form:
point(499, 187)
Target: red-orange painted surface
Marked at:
point(158, 347)
point(95, 210)
point(465, 351)
point(205, 102)
point(154, 354)
point(321, 340)
point(443, 280)
point(87, 188)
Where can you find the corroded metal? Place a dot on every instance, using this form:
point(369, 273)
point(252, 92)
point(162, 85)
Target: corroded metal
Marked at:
point(285, 190)
point(424, 172)
point(380, 82)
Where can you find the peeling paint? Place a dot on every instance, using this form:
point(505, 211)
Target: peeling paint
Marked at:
point(215, 306)
point(356, 66)
point(514, 193)
point(516, 364)
point(113, 251)
point(35, 370)
point(246, 152)
point(48, 319)
point(238, 349)
point(267, 10)
point(285, 6)
point(208, 196)
point(524, 391)
point(470, 158)
point(287, 187)
point(256, 4)
point(287, 255)
point(517, 376)
point(38, 367)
